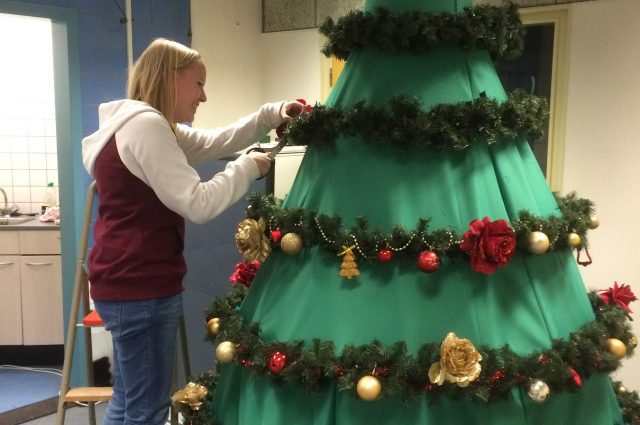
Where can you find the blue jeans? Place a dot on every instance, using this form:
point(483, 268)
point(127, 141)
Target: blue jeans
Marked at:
point(144, 344)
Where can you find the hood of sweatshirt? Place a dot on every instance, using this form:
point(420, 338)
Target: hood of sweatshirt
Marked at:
point(112, 117)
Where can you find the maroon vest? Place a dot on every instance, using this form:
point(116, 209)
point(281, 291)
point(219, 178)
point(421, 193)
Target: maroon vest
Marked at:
point(138, 242)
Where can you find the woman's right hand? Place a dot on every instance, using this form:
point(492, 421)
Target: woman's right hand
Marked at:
point(263, 162)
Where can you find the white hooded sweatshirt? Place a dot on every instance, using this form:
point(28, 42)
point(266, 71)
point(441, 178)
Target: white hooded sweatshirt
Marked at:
point(147, 147)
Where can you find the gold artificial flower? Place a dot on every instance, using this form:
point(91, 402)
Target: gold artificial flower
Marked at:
point(192, 394)
point(251, 241)
point(459, 362)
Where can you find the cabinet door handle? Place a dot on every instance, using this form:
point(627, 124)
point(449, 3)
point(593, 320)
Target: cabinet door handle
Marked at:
point(39, 264)
point(7, 263)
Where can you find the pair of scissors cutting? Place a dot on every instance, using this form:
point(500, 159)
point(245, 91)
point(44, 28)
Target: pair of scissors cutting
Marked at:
point(272, 153)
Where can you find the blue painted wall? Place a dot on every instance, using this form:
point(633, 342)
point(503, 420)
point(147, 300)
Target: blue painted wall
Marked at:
point(97, 68)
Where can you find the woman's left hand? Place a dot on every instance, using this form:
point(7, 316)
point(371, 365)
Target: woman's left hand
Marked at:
point(290, 110)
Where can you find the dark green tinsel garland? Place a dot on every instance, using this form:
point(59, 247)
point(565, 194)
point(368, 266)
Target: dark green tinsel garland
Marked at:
point(495, 29)
point(629, 402)
point(402, 122)
point(318, 229)
point(314, 367)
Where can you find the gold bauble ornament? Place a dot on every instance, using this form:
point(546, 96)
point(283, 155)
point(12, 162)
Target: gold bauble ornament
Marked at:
point(369, 388)
point(225, 352)
point(616, 347)
point(633, 342)
point(291, 244)
point(574, 240)
point(538, 391)
point(538, 242)
point(622, 389)
point(213, 326)
point(594, 222)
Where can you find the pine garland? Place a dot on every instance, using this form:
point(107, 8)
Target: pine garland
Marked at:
point(629, 402)
point(317, 229)
point(314, 367)
point(495, 29)
point(402, 122)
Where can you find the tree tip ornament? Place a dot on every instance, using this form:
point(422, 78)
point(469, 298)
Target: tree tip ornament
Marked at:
point(349, 267)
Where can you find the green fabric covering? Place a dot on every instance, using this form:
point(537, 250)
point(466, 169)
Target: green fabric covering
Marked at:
point(526, 304)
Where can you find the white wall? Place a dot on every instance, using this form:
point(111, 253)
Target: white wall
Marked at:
point(602, 157)
point(247, 68)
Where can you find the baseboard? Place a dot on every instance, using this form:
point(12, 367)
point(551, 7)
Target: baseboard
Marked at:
point(32, 355)
point(29, 412)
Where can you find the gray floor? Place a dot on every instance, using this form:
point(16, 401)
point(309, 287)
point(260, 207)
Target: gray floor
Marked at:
point(76, 415)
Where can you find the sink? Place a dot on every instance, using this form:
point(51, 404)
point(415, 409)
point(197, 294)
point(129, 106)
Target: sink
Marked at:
point(15, 220)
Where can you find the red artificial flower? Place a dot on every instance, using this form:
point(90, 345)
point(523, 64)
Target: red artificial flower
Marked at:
point(491, 244)
point(619, 295)
point(244, 273)
point(307, 108)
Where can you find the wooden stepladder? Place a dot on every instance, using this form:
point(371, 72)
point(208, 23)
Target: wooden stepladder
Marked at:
point(90, 318)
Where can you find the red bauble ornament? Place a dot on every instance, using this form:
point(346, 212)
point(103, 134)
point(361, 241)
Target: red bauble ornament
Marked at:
point(428, 261)
point(385, 255)
point(277, 362)
point(276, 235)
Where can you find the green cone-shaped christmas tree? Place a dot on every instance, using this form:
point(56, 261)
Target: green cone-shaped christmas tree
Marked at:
point(421, 271)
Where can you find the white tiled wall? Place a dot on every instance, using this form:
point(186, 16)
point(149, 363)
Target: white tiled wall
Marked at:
point(28, 148)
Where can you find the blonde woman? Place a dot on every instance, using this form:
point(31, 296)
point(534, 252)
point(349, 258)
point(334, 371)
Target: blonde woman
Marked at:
point(141, 158)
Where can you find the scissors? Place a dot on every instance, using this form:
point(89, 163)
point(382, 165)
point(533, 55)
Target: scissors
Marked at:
point(272, 153)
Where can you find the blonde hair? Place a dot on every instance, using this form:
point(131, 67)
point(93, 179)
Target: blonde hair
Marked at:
point(153, 79)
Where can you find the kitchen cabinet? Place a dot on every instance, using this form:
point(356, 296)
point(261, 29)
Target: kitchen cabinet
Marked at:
point(31, 287)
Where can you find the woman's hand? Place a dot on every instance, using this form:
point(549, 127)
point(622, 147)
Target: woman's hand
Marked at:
point(262, 161)
point(290, 110)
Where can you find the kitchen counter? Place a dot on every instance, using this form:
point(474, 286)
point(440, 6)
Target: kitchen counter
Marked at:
point(34, 224)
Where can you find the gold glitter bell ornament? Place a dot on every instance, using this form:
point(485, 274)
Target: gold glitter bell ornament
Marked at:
point(538, 242)
point(213, 326)
point(616, 347)
point(291, 244)
point(225, 352)
point(574, 240)
point(369, 388)
point(538, 391)
point(593, 223)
